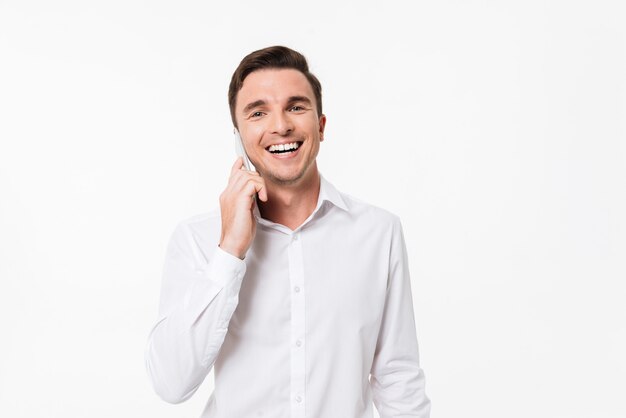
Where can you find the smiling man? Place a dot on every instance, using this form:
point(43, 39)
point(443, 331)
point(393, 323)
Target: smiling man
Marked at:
point(300, 300)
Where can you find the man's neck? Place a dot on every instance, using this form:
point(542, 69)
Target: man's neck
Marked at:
point(291, 205)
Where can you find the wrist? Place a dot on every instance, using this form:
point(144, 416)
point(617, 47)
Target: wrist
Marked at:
point(233, 250)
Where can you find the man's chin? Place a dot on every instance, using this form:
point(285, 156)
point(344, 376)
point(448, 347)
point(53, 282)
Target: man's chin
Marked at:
point(283, 179)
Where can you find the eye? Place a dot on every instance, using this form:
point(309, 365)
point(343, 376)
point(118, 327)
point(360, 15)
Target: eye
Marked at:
point(256, 114)
point(297, 108)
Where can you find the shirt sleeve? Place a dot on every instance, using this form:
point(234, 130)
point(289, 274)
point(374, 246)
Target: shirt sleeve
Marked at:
point(198, 299)
point(397, 381)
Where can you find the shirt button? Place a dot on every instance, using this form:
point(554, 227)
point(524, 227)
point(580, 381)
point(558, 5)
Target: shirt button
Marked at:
point(295, 237)
point(298, 343)
point(298, 398)
point(296, 289)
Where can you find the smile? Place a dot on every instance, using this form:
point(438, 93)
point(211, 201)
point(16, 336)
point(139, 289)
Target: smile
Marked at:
point(284, 148)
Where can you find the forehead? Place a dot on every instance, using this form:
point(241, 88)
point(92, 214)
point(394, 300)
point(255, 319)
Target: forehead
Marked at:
point(274, 86)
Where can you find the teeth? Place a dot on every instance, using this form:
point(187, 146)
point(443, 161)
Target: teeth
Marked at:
point(283, 147)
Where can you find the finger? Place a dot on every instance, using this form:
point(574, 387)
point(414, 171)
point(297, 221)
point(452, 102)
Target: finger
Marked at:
point(240, 177)
point(253, 186)
point(262, 191)
point(236, 171)
point(236, 166)
point(259, 187)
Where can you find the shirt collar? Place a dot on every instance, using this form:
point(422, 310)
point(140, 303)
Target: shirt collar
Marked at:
point(328, 192)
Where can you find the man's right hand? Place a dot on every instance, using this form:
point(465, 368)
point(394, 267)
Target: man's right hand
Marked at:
point(236, 204)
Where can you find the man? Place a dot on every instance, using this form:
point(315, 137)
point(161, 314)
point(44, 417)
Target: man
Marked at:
point(297, 296)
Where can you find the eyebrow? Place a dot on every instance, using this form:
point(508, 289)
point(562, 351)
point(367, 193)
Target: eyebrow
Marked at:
point(291, 100)
point(252, 105)
point(303, 99)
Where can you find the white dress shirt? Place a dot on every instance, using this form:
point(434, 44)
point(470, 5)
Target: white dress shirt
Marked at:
point(297, 327)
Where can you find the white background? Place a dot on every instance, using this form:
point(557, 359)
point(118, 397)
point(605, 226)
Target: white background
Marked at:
point(495, 129)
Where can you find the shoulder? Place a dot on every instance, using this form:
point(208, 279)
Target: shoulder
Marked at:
point(374, 224)
point(201, 230)
point(200, 220)
point(367, 221)
point(366, 212)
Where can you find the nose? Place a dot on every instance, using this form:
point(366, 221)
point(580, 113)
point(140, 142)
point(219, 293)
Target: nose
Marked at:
point(281, 124)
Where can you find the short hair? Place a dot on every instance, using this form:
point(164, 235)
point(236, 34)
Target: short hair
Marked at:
point(267, 58)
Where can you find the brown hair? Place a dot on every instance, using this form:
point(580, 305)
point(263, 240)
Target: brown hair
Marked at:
point(271, 57)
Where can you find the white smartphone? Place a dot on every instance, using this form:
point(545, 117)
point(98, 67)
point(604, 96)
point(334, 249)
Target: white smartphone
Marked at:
point(241, 151)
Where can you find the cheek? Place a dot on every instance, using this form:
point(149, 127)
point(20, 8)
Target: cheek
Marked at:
point(256, 130)
point(311, 126)
point(252, 134)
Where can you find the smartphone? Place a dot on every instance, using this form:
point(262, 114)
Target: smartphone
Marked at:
point(241, 151)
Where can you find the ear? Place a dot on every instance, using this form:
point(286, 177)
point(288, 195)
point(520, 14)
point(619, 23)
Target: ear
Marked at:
point(322, 125)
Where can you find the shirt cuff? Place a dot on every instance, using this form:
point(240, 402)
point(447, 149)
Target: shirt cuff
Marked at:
point(224, 272)
point(225, 267)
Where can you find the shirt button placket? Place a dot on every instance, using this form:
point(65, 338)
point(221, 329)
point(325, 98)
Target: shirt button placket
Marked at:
point(296, 280)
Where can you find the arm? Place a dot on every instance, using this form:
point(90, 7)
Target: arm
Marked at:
point(197, 302)
point(397, 381)
point(198, 298)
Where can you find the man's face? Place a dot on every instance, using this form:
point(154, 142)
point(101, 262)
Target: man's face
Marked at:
point(276, 113)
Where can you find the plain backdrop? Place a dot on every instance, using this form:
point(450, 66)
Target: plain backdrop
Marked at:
point(496, 130)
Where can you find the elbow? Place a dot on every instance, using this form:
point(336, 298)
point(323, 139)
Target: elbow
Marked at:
point(171, 390)
point(170, 385)
point(173, 396)
point(175, 367)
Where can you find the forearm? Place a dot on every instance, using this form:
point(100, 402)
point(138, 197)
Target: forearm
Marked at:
point(186, 340)
point(397, 381)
